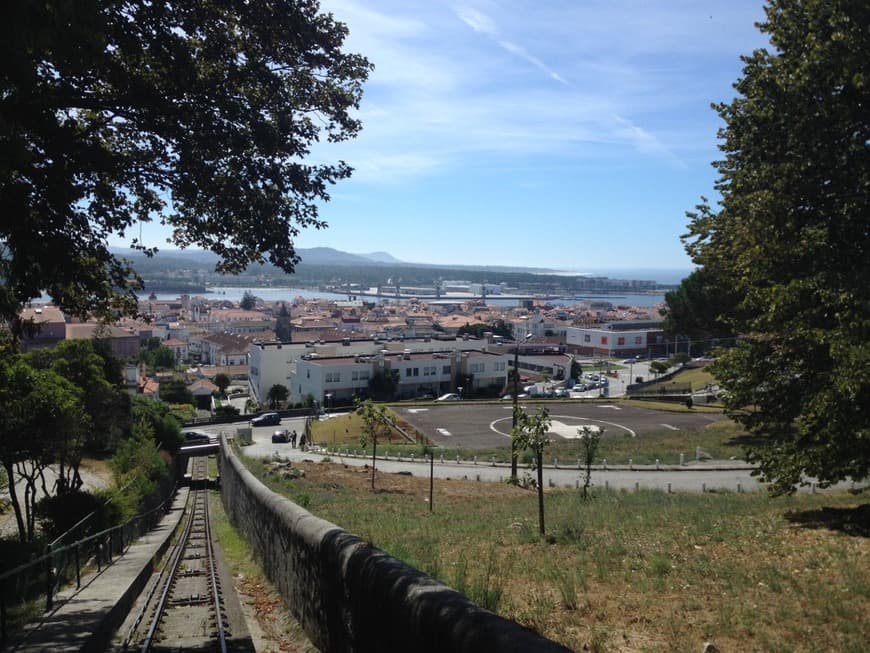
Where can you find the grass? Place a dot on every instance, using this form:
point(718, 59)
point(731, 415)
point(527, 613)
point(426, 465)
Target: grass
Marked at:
point(699, 377)
point(640, 571)
point(722, 440)
point(275, 629)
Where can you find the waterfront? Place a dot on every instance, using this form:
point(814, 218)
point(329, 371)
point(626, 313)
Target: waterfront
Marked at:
point(271, 294)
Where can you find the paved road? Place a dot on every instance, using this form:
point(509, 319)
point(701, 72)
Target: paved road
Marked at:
point(709, 475)
point(693, 477)
point(489, 425)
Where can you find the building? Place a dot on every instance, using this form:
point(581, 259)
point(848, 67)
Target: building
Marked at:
point(124, 343)
point(50, 323)
point(616, 339)
point(272, 363)
point(340, 378)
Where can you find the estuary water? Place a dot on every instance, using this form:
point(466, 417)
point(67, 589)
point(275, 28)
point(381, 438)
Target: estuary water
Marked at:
point(272, 294)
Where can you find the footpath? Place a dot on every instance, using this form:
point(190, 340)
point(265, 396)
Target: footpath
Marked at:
point(86, 618)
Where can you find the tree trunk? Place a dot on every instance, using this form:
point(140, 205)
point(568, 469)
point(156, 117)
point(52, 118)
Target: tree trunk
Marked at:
point(374, 451)
point(13, 497)
point(541, 491)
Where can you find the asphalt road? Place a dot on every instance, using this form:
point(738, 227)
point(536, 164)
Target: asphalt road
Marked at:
point(692, 477)
point(484, 426)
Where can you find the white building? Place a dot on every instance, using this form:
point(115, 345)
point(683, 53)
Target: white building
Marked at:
point(416, 373)
point(272, 363)
point(613, 340)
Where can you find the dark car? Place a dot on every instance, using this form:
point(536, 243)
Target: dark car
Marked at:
point(282, 435)
point(195, 437)
point(266, 419)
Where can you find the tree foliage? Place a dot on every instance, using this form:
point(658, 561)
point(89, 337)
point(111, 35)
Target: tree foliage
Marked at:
point(197, 114)
point(222, 381)
point(789, 239)
point(378, 422)
point(159, 417)
point(699, 308)
point(530, 432)
point(248, 301)
point(175, 391)
point(41, 426)
point(277, 393)
point(93, 369)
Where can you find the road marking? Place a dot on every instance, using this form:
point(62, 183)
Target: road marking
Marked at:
point(414, 411)
point(554, 418)
point(610, 406)
point(668, 426)
point(444, 431)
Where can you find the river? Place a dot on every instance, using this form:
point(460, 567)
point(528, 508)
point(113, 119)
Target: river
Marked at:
point(272, 294)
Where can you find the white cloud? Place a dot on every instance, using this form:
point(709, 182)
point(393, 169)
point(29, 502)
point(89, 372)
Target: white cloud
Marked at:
point(477, 21)
point(441, 96)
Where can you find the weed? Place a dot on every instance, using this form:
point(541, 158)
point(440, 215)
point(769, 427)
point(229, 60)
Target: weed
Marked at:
point(460, 575)
point(488, 590)
point(659, 566)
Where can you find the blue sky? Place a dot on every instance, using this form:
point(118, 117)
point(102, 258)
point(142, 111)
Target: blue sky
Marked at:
point(567, 134)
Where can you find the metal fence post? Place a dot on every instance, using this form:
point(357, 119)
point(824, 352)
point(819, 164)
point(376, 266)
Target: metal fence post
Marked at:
point(78, 568)
point(49, 579)
point(2, 616)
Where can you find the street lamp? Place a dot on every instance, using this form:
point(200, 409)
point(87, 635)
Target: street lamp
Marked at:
point(516, 392)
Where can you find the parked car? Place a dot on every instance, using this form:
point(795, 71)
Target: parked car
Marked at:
point(450, 396)
point(281, 435)
point(562, 392)
point(266, 419)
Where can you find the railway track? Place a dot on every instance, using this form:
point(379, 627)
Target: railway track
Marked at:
point(184, 610)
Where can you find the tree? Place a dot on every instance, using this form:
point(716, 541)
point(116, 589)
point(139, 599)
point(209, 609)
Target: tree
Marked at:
point(590, 438)
point(164, 426)
point(699, 308)
point(91, 367)
point(383, 384)
point(162, 358)
point(222, 381)
point(277, 393)
point(175, 391)
point(249, 301)
point(198, 114)
point(377, 423)
point(789, 238)
point(530, 432)
point(41, 425)
point(659, 367)
point(576, 369)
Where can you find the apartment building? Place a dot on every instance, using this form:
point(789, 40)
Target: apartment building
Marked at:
point(618, 339)
point(416, 373)
point(272, 363)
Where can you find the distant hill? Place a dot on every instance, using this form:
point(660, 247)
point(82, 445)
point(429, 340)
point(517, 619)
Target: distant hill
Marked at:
point(312, 256)
point(316, 259)
point(381, 257)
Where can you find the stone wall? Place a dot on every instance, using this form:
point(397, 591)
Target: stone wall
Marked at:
point(350, 596)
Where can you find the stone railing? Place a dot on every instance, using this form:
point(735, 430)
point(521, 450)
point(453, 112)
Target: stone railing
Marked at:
point(350, 596)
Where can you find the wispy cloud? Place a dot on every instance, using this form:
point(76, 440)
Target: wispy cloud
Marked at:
point(483, 24)
point(442, 98)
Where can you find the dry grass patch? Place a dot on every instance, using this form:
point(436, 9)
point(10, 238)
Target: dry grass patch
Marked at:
point(642, 571)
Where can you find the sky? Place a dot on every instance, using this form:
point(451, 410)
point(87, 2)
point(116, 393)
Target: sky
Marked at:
point(564, 134)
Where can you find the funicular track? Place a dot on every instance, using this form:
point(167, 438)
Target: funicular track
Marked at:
point(184, 609)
